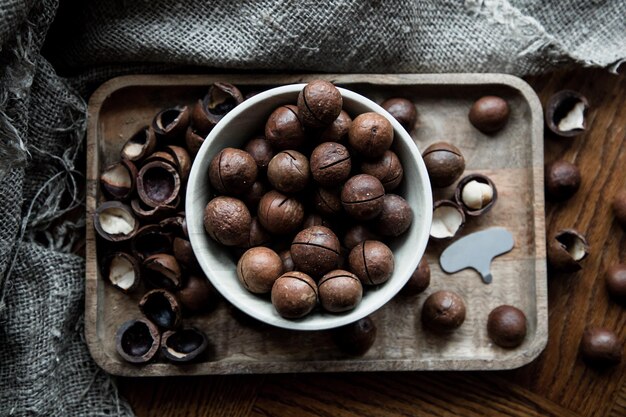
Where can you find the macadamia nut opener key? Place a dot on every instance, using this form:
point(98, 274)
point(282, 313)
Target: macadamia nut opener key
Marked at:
point(476, 251)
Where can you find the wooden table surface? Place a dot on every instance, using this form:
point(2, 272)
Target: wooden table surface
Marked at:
point(558, 383)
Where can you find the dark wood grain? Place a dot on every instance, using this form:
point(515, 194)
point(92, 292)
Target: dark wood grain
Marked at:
point(558, 383)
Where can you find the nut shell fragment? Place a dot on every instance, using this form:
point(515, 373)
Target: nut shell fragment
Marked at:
point(565, 113)
point(137, 341)
point(566, 250)
point(115, 222)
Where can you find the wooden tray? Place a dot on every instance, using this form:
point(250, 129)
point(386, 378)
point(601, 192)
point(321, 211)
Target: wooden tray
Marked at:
point(513, 159)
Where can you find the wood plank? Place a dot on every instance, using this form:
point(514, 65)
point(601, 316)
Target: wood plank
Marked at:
point(398, 394)
point(225, 396)
point(580, 299)
point(618, 408)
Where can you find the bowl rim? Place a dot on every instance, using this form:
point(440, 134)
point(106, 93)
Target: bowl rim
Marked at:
point(332, 321)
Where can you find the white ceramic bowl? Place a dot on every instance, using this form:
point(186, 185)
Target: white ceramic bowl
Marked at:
point(234, 130)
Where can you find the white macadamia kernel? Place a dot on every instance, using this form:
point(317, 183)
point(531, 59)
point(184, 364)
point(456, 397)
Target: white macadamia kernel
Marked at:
point(477, 195)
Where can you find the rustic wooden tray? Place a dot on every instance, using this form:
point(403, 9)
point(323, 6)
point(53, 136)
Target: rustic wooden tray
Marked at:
point(238, 344)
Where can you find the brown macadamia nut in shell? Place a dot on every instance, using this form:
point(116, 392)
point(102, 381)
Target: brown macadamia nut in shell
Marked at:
point(362, 197)
point(315, 251)
point(370, 135)
point(339, 291)
point(388, 169)
point(294, 295)
point(562, 180)
point(283, 129)
point(260, 150)
point(327, 201)
point(403, 110)
point(601, 347)
point(419, 280)
point(227, 220)
point(357, 234)
point(372, 261)
point(356, 338)
point(232, 171)
point(258, 268)
point(489, 114)
point(319, 104)
point(506, 326)
point(443, 311)
point(444, 162)
point(330, 164)
point(280, 214)
point(288, 171)
point(338, 130)
point(615, 278)
point(396, 216)
point(197, 295)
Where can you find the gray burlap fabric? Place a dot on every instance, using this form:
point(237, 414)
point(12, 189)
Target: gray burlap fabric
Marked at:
point(45, 368)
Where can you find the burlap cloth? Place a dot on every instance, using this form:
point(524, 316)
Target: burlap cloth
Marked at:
point(45, 369)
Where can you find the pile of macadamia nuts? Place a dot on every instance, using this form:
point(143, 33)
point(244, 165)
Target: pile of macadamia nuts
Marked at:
point(143, 243)
point(307, 204)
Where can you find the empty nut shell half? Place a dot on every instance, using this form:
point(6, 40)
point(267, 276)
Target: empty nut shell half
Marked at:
point(137, 341)
point(566, 250)
point(118, 180)
point(171, 123)
point(184, 253)
point(175, 225)
point(115, 222)
point(183, 160)
point(220, 99)
point(565, 113)
point(193, 140)
point(122, 271)
point(140, 145)
point(163, 271)
point(150, 240)
point(448, 220)
point(183, 345)
point(476, 194)
point(162, 308)
point(158, 184)
point(152, 214)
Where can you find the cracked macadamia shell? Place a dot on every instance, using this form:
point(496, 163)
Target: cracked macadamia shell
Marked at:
point(448, 219)
point(115, 221)
point(565, 113)
point(566, 250)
